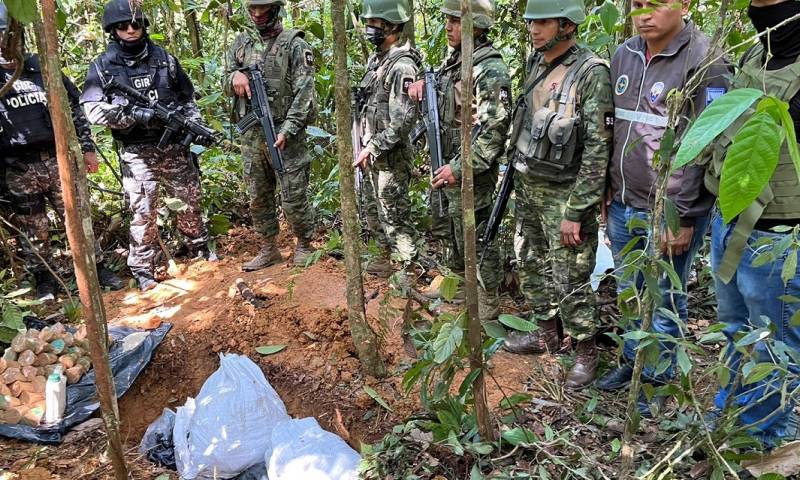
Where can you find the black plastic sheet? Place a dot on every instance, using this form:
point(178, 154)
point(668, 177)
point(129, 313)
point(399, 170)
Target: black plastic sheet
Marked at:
point(128, 356)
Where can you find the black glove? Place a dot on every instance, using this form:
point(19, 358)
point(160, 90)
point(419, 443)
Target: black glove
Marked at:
point(142, 116)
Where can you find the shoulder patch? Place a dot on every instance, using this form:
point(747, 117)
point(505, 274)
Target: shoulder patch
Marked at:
point(621, 85)
point(309, 57)
point(406, 82)
point(608, 120)
point(505, 96)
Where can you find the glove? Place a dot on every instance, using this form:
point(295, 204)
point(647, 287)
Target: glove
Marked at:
point(142, 116)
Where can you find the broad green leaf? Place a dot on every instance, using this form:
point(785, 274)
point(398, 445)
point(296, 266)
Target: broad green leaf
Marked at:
point(517, 323)
point(494, 329)
point(759, 372)
point(175, 204)
point(791, 139)
point(449, 287)
point(317, 132)
point(519, 435)
point(712, 337)
point(219, 224)
point(684, 362)
point(609, 14)
point(269, 349)
point(514, 400)
point(714, 120)
point(466, 384)
point(616, 445)
point(475, 472)
point(789, 269)
point(749, 164)
point(672, 215)
point(446, 342)
point(753, 337)
point(24, 11)
point(452, 442)
point(377, 397)
point(795, 320)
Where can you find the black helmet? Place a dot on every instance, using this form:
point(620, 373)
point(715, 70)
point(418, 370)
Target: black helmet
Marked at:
point(118, 11)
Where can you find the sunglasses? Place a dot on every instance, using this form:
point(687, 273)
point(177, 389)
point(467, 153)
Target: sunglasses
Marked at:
point(125, 25)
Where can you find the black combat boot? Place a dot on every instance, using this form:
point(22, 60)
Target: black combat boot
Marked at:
point(108, 279)
point(46, 286)
point(543, 340)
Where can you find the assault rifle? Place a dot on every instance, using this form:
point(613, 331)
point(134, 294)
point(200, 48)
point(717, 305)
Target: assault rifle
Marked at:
point(355, 136)
point(498, 210)
point(176, 123)
point(430, 126)
point(260, 115)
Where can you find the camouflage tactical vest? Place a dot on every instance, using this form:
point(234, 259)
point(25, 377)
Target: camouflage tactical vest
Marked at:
point(449, 88)
point(375, 88)
point(781, 198)
point(275, 69)
point(547, 139)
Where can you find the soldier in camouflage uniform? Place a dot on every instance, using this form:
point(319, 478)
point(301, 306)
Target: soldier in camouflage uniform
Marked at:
point(30, 167)
point(492, 85)
point(561, 143)
point(387, 115)
point(131, 58)
point(287, 64)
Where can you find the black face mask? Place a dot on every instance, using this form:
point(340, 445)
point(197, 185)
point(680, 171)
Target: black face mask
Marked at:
point(272, 17)
point(785, 41)
point(135, 47)
point(375, 35)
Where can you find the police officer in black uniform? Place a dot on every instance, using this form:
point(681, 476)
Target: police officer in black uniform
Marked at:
point(27, 144)
point(133, 59)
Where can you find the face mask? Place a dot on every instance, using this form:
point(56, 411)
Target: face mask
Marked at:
point(783, 41)
point(375, 35)
point(133, 47)
point(267, 21)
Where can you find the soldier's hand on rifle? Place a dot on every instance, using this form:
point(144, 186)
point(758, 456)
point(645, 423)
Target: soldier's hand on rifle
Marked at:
point(241, 84)
point(92, 165)
point(416, 89)
point(444, 177)
point(280, 142)
point(362, 161)
point(571, 233)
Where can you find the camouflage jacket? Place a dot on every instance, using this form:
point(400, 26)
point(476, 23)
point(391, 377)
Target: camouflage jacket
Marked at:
point(387, 113)
point(288, 71)
point(492, 103)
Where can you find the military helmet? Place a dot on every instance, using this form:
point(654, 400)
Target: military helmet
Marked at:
point(118, 11)
point(393, 11)
point(572, 10)
point(250, 3)
point(482, 11)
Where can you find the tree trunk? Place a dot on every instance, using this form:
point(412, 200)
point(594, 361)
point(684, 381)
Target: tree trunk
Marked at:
point(474, 328)
point(72, 173)
point(627, 32)
point(194, 37)
point(364, 338)
point(408, 29)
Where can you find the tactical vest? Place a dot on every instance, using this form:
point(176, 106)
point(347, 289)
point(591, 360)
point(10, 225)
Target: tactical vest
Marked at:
point(449, 79)
point(275, 69)
point(780, 200)
point(155, 77)
point(375, 88)
point(25, 124)
point(547, 140)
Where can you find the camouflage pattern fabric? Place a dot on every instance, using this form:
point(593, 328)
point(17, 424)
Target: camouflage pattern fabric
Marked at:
point(298, 109)
point(387, 117)
point(31, 185)
point(145, 168)
point(553, 278)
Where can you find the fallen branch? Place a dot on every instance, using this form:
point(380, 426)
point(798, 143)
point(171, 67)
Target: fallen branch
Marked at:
point(247, 293)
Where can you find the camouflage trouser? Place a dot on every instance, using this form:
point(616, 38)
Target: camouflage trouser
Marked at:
point(262, 185)
point(144, 170)
point(31, 185)
point(554, 278)
point(490, 275)
point(388, 207)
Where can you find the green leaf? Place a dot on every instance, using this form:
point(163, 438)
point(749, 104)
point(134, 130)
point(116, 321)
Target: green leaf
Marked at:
point(446, 342)
point(24, 11)
point(269, 349)
point(712, 337)
point(616, 445)
point(514, 400)
point(673, 217)
point(791, 135)
point(795, 320)
point(475, 472)
point(753, 337)
point(219, 224)
point(494, 329)
point(175, 204)
point(684, 362)
point(317, 132)
point(749, 164)
point(714, 120)
point(316, 29)
point(517, 323)
point(609, 14)
point(789, 269)
point(452, 442)
point(519, 435)
point(759, 372)
point(377, 397)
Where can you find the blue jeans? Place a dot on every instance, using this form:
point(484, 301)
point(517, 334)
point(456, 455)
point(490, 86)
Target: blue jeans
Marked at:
point(753, 294)
point(619, 215)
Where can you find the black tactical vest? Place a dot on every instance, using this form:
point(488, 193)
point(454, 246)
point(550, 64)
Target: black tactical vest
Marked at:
point(25, 124)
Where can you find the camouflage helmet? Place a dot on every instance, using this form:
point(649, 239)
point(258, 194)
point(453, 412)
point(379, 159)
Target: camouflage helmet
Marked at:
point(393, 11)
point(118, 11)
point(572, 10)
point(482, 11)
point(251, 3)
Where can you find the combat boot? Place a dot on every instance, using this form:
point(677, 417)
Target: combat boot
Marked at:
point(269, 255)
point(46, 286)
point(302, 251)
point(146, 281)
point(543, 340)
point(108, 279)
point(488, 306)
point(584, 371)
point(380, 266)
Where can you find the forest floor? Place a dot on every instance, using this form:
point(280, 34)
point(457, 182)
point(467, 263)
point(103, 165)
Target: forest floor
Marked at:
point(317, 374)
